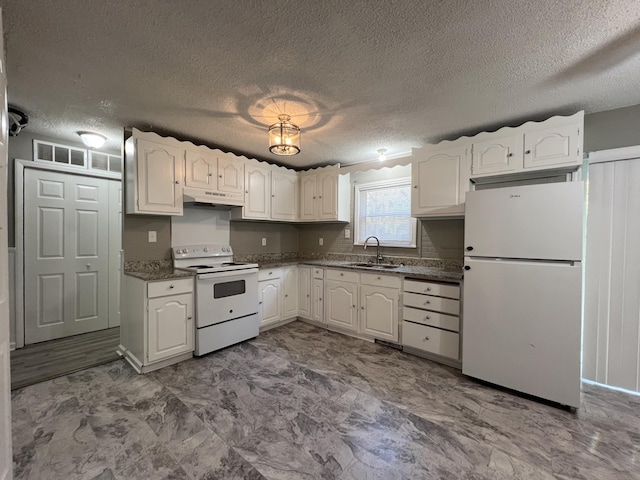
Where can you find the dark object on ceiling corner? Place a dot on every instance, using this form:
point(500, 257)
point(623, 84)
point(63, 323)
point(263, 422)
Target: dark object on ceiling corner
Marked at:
point(17, 121)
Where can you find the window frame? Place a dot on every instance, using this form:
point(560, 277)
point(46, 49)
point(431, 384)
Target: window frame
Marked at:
point(358, 188)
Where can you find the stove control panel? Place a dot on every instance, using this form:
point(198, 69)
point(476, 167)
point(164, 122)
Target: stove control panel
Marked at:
point(200, 251)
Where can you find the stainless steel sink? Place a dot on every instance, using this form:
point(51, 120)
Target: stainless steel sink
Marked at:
point(374, 265)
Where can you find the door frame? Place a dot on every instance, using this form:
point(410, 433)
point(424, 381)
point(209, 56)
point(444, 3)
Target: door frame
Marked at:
point(19, 167)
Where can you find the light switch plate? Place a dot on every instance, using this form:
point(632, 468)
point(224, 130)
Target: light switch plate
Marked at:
point(264, 241)
point(347, 233)
point(321, 241)
point(153, 236)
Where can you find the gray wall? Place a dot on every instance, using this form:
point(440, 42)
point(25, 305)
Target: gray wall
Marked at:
point(612, 129)
point(246, 237)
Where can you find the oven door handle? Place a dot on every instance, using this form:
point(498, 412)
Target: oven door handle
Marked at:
point(229, 273)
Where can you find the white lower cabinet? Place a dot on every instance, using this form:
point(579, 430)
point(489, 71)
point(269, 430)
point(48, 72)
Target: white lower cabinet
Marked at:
point(278, 294)
point(317, 300)
point(431, 315)
point(341, 304)
point(304, 292)
point(379, 311)
point(157, 324)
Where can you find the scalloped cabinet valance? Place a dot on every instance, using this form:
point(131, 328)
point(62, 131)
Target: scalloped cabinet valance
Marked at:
point(161, 173)
point(442, 173)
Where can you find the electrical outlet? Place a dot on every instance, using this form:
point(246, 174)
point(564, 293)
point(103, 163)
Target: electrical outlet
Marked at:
point(347, 233)
point(264, 241)
point(153, 236)
point(321, 241)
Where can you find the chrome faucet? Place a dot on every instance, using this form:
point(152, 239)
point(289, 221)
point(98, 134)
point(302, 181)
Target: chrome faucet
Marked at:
point(378, 256)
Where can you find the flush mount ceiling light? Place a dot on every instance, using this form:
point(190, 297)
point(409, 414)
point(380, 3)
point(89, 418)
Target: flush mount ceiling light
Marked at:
point(382, 154)
point(284, 137)
point(92, 139)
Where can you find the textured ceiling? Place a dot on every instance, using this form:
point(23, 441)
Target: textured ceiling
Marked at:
point(356, 76)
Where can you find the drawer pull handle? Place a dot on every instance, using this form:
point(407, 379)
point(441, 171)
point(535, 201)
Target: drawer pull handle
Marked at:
point(320, 299)
point(259, 303)
point(428, 302)
point(428, 289)
point(427, 317)
point(378, 278)
point(171, 286)
point(427, 339)
point(189, 317)
point(270, 273)
point(527, 152)
point(362, 308)
point(353, 306)
point(231, 311)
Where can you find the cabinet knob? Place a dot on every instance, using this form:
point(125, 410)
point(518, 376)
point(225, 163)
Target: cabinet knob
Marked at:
point(231, 311)
point(428, 289)
point(320, 299)
point(469, 248)
point(246, 191)
point(259, 303)
point(308, 295)
point(209, 174)
point(428, 302)
point(220, 176)
point(171, 286)
point(427, 339)
point(467, 267)
point(286, 295)
point(378, 278)
point(353, 306)
point(342, 274)
point(189, 317)
point(415, 186)
point(527, 152)
point(270, 273)
point(273, 196)
point(510, 154)
point(319, 196)
point(177, 182)
point(427, 317)
point(314, 198)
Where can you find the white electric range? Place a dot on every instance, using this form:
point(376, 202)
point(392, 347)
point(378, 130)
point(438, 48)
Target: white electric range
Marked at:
point(226, 295)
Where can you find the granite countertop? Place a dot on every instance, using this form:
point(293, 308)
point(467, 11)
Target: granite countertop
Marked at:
point(412, 271)
point(159, 274)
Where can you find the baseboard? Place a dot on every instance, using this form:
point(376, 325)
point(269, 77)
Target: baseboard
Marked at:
point(337, 330)
point(12, 346)
point(138, 366)
point(434, 357)
point(280, 323)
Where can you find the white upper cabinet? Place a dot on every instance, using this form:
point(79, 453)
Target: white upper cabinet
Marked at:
point(200, 169)
point(230, 174)
point(154, 177)
point(325, 195)
point(440, 179)
point(498, 155)
point(257, 199)
point(284, 195)
point(555, 143)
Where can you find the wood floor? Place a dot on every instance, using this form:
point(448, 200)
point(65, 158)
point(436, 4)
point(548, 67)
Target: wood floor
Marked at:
point(47, 360)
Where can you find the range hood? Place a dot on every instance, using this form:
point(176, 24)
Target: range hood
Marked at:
point(199, 196)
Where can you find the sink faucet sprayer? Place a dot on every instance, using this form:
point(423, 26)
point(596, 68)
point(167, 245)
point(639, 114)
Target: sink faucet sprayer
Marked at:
point(378, 256)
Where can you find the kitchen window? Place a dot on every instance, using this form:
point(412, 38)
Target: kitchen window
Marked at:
point(383, 209)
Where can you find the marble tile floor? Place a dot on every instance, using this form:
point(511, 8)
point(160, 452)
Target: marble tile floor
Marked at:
point(300, 402)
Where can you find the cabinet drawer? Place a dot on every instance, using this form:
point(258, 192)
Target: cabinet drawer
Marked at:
point(428, 302)
point(343, 276)
point(431, 339)
point(433, 319)
point(318, 273)
point(169, 287)
point(430, 288)
point(380, 280)
point(269, 273)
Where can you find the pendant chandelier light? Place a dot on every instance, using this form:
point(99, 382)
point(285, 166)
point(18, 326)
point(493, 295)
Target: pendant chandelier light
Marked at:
point(284, 137)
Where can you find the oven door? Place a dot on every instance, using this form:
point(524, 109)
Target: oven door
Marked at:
point(223, 296)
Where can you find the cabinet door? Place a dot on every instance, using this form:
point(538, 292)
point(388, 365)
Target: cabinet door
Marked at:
point(269, 301)
point(304, 292)
point(284, 196)
point(308, 197)
point(440, 180)
point(170, 326)
point(379, 312)
point(342, 305)
point(500, 155)
point(159, 178)
point(290, 292)
point(328, 196)
point(317, 300)
point(257, 192)
point(551, 147)
point(230, 175)
point(200, 169)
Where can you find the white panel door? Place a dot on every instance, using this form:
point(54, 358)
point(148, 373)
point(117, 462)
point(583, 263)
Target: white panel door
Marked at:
point(230, 175)
point(522, 325)
point(500, 155)
point(6, 463)
point(308, 197)
point(611, 340)
point(379, 312)
point(304, 292)
point(317, 300)
point(170, 328)
point(328, 196)
point(66, 245)
point(284, 196)
point(516, 222)
point(257, 199)
point(341, 306)
point(115, 251)
point(290, 292)
point(269, 301)
point(200, 169)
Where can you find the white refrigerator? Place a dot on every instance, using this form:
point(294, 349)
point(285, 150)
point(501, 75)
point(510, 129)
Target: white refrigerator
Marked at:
point(523, 289)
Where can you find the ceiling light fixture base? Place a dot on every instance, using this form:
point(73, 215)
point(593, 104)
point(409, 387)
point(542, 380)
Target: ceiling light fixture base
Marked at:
point(284, 137)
